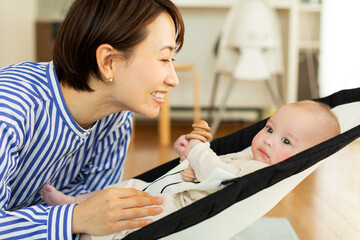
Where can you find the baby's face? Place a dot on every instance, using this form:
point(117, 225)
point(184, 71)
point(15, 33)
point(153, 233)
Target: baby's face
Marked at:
point(288, 132)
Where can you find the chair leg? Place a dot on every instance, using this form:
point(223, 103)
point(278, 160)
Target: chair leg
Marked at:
point(213, 97)
point(274, 92)
point(197, 108)
point(311, 73)
point(216, 122)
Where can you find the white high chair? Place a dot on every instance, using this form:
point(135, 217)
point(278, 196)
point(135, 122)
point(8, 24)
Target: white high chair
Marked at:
point(250, 48)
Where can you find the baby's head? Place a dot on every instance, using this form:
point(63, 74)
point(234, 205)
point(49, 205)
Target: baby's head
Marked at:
point(293, 128)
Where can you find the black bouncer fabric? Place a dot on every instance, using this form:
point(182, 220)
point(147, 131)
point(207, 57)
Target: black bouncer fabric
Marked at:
point(241, 188)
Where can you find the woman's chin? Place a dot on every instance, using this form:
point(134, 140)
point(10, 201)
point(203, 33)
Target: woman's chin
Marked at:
point(151, 114)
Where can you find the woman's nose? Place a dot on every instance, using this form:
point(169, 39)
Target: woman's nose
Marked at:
point(172, 78)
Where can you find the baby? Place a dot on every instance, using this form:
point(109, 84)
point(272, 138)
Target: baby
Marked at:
point(292, 129)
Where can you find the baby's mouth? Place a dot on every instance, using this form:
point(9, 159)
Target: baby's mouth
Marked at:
point(264, 154)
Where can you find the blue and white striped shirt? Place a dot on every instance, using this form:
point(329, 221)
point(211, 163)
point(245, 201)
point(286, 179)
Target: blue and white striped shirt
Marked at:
point(41, 143)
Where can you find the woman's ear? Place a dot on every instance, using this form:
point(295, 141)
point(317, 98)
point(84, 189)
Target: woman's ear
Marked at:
point(104, 58)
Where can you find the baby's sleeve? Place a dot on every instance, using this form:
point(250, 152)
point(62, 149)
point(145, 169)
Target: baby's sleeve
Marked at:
point(204, 160)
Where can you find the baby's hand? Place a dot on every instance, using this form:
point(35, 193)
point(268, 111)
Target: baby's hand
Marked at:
point(180, 146)
point(188, 174)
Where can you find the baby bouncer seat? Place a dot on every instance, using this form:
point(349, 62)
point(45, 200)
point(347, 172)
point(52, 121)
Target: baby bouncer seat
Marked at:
point(243, 200)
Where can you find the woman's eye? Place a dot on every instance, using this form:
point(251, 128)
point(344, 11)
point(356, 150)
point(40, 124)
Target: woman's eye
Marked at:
point(285, 141)
point(269, 129)
point(168, 60)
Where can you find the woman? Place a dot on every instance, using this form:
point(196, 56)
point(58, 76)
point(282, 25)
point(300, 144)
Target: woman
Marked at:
point(68, 122)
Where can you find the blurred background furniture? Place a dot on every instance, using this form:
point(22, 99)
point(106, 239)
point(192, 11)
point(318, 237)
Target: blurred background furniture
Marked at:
point(250, 49)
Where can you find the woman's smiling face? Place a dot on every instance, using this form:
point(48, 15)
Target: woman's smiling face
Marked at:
point(141, 82)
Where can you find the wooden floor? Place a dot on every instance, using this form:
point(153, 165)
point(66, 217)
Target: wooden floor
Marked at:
point(325, 206)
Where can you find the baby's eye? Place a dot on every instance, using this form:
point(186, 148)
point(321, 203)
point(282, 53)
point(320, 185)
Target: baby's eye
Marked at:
point(285, 141)
point(269, 129)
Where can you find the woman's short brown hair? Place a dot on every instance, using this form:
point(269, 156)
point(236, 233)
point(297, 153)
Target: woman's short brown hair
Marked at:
point(90, 23)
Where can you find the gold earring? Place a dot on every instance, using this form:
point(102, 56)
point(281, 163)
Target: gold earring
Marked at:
point(110, 80)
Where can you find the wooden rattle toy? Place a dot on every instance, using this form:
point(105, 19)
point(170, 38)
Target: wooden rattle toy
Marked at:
point(200, 132)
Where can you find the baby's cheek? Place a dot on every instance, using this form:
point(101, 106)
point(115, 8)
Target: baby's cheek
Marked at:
point(282, 155)
point(256, 140)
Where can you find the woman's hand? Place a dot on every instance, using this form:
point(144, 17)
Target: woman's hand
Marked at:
point(114, 209)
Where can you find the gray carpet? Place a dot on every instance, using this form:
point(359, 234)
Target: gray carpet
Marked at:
point(268, 228)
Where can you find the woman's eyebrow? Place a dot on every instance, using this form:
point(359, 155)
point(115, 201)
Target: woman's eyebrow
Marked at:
point(170, 47)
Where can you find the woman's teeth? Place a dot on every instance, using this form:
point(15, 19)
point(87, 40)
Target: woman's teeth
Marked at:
point(158, 95)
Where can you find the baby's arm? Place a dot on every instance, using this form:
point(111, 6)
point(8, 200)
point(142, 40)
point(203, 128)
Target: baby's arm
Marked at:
point(188, 175)
point(180, 145)
point(204, 161)
point(192, 143)
point(185, 143)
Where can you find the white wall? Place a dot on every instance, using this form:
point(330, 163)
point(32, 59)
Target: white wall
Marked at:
point(17, 28)
point(49, 8)
point(340, 46)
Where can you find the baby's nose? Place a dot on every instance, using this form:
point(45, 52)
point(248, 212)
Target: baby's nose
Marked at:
point(268, 141)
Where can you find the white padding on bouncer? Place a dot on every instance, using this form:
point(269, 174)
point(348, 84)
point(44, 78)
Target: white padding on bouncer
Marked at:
point(240, 215)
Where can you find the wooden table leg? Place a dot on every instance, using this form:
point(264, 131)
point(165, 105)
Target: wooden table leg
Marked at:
point(164, 123)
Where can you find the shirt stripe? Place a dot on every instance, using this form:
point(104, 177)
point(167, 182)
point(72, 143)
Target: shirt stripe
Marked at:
point(41, 143)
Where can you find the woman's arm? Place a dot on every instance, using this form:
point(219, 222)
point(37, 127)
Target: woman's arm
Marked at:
point(35, 222)
point(56, 222)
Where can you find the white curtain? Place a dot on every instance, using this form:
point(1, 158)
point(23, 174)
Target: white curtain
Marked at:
point(340, 46)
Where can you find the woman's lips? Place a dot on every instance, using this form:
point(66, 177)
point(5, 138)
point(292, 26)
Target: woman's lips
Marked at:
point(158, 96)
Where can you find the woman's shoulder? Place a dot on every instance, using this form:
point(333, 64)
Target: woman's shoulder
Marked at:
point(25, 80)
point(22, 89)
point(113, 128)
point(117, 123)
point(23, 67)
point(28, 78)
point(119, 119)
